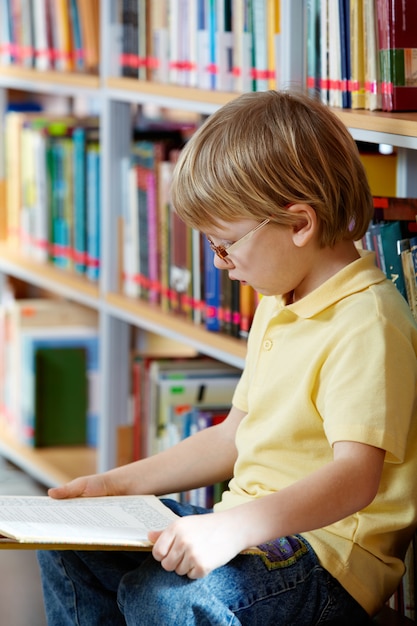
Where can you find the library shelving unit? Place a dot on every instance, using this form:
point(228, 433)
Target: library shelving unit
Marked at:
point(114, 97)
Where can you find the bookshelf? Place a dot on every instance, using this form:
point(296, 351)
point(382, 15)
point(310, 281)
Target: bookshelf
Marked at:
point(114, 97)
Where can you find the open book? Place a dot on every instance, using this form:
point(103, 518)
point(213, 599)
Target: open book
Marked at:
point(112, 522)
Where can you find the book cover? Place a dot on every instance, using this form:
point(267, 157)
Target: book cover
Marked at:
point(164, 180)
point(390, 234)
point(159, 54)
point(324, 51)
point(335, 62)
point(180, 266)
point(130, 234)
point(397, 38)
point(212, 286)
point(371, 55)
point(224, 45)
point(61, 24)
point(93, 211)
point(77, 45)
point(185, 385)
point(43, 58)
point(260, 45)
point(79, 200)
point(38, 315)
point(404, 249)
point(143, 35)
point(90, 29)
point(27, 35)
point(242, 45)
point(204, 69)
point(345, 56)
point(61, 397)
point(313, 46)
point(357, 54)
point(59, 158)
point(6, 37)
point(55, 337)
point(13, 163)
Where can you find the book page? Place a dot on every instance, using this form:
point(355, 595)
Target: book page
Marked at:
point(112, 520)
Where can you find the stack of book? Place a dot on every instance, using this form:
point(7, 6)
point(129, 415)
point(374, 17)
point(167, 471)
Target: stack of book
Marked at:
point(60, 35)
point(174, 398)
point(53, 189)
point(165, 262)
point(226, 45)
point(393, 237)
point(49, 372)
point(360, 53)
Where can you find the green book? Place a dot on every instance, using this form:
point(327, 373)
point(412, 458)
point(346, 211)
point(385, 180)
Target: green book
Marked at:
point(61, 396)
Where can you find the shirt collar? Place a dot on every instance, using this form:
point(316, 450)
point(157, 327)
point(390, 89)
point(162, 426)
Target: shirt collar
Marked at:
point(355, 277)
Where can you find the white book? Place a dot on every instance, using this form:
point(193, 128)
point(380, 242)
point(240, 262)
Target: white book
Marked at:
point(5, 34)
point(290, 55)
point(40, 217)
point(204, 77)
point(130, 259)
point(224, 45)
point(335, 62)
point(108, 521)
point(160, 41)
point(260, 44)
point(42, 59)
point(324, 51)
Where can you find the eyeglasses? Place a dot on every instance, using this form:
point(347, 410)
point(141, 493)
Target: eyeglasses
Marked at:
point(224, 250)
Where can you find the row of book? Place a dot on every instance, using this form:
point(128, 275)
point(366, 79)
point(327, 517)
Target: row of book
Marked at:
point(164, 261)
point(53, 189)
point(226, 45)
point(60, 35)
point(393, 237)
point(174, 398)
point(49, 372)
point(361, 53)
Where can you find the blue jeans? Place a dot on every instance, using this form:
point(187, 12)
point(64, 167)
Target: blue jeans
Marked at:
point(282, 583)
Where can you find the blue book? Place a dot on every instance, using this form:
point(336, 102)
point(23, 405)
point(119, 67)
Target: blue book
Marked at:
point(77, 36)
point(79, 199)
point(390, 234)
point(345, 54)
point(212, 286)
point(93, 212)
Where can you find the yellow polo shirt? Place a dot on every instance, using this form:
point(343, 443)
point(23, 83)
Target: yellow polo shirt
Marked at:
point(340, 364)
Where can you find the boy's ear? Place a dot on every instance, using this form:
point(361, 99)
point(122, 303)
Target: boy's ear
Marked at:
point(305, 227)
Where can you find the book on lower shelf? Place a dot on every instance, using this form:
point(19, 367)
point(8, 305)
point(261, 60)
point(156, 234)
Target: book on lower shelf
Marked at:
point(102, 522)
point(32, 325)
point(391, 236)
point(61, 396)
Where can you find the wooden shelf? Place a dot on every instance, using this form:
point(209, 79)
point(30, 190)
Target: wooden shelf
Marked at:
point(15, 76)
point(50, 466)
point(404, 124)
point(47, 276)
point(152, 318)
point(162, 90)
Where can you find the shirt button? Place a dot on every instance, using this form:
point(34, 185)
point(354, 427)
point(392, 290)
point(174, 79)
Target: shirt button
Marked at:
point(267, 344)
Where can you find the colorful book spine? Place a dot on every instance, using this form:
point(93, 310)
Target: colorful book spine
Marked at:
point(212, 290)
point(79, 199)
point(397, 35)
point(93, 211)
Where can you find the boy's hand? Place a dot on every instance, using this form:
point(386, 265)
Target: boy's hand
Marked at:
point(197, 544)
point(85, 486)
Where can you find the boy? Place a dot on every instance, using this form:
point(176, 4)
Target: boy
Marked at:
point(321, 439)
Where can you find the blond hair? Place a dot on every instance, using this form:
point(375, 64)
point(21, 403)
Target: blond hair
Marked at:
point(266, 150)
